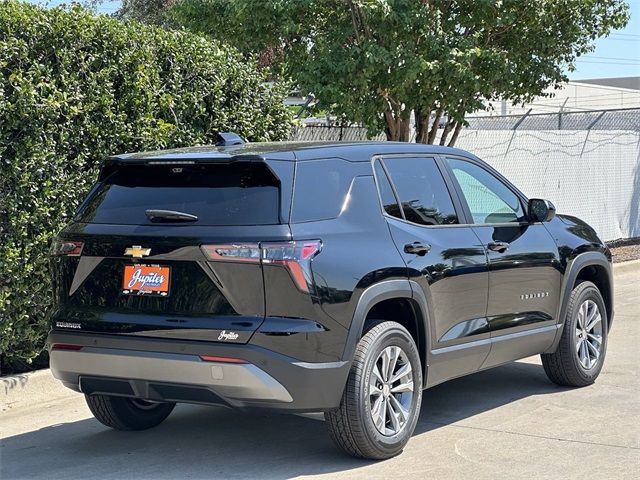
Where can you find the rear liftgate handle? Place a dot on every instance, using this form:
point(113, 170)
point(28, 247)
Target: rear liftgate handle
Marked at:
point(417, 248)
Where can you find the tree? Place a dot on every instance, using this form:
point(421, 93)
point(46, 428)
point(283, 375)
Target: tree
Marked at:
point(376, 62)
point(77, 87)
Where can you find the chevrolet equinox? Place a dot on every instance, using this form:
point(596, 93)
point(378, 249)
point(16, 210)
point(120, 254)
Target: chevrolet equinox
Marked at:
point(341, 278)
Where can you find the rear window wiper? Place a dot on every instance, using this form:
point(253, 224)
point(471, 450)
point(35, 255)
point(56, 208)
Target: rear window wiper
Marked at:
point(169, 216)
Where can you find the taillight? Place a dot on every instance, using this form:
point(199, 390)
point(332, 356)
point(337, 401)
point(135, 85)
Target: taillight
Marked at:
point(294, 256)
point(66, 346)
point(69, 248)
point(245, 252)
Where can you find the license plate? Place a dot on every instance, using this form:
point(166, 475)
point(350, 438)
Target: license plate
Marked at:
point(150, 280)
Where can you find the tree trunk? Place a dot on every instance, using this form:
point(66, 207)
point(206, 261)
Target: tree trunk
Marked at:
point(398, 127)
point(434, 126)
point(422, 125)
point(446, 131)
point(404, 129)
point(456, 132)
point(391, 130)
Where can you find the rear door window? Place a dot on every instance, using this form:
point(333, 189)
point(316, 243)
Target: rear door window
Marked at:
point(238, 193)
point(423, 194)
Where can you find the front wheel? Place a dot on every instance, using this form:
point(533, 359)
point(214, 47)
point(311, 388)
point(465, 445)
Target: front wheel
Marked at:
point(123, 413)
point(381, 401)
point(579, 357)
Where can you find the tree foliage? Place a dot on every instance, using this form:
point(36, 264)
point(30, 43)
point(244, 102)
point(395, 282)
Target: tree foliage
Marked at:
point(378, 61)
point(74, 88)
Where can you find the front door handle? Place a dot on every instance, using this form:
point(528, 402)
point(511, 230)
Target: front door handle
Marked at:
point(417, 248)
point(499, 247)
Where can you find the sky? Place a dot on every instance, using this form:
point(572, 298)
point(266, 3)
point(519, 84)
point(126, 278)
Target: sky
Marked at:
point(615, 56)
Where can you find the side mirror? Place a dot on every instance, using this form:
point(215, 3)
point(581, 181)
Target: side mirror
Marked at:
point(541, 210)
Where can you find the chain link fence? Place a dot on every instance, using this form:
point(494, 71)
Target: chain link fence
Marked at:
point(587, 163)
point(620, 119)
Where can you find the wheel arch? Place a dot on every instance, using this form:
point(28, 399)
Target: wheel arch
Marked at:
point(591, 266)
point(379, 299)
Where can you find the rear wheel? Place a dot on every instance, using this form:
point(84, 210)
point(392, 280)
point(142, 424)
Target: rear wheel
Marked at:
point(579, 357)
point(381, 401)
point(123, 413)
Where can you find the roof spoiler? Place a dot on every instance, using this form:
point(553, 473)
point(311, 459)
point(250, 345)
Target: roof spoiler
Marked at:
point(224, 139)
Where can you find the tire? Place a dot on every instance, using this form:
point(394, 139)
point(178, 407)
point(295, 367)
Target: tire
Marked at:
point(123, 413)
point(565, 366)
point(351, 425)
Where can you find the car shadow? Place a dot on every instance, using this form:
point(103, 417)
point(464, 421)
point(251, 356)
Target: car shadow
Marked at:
point(468, 396)
point(212, 442)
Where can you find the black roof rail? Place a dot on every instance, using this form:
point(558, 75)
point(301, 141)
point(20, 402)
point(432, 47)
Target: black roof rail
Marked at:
point(224, 139)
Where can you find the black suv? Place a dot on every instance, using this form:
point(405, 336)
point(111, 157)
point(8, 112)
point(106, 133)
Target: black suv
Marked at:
point(343, 278)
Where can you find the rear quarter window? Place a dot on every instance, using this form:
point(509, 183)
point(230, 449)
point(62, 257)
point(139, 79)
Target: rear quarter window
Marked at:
point(321, 189)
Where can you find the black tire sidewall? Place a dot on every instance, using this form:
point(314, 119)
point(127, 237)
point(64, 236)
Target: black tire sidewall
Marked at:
point(588, 291)
point(393, 336)
point(122, 414)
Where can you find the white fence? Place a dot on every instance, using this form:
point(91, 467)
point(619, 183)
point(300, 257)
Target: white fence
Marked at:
point(593, 174)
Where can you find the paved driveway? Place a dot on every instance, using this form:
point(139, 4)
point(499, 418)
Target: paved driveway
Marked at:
point(510, 422)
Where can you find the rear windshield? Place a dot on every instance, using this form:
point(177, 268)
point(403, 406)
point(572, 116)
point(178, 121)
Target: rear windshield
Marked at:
point(239, 193)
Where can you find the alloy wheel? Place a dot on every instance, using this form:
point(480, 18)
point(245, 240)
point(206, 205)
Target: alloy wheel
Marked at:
point(589, 334)
point(391, 391)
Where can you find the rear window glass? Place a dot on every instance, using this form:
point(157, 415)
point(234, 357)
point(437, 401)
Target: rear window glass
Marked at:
point(321, 188)
point(240, 193)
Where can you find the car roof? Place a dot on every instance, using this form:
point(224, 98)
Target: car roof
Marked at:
point(292, 151)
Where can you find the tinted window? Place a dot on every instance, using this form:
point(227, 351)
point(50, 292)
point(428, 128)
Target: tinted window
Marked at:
point(233, 194)
point(423, 194)
point(387, 197)
point(321, 188)
point(489, 200)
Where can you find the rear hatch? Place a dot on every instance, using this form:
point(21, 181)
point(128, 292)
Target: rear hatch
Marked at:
point(170, 249)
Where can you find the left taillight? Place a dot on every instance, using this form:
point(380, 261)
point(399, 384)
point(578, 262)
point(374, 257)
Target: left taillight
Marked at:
point(294, 256)
point(68, 248)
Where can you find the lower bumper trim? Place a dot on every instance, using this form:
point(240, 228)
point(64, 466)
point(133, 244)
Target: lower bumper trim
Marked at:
point(236, 384)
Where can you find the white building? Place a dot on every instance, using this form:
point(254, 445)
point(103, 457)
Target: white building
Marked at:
point(580, 96)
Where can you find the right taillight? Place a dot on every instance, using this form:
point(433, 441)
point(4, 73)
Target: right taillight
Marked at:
point(239, 252)
point(294, 256)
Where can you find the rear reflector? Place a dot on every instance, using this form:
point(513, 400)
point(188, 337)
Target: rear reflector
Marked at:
point(294, 256)
point(66, 346)
point(212, 358)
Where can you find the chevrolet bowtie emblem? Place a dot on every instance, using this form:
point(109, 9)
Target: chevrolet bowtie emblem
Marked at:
point(137, 251)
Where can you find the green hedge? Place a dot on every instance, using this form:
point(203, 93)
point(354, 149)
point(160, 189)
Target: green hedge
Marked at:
point(75, 87)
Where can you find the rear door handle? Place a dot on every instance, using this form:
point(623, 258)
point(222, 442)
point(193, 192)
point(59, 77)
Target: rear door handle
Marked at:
point(499, 247)
point(417, 248)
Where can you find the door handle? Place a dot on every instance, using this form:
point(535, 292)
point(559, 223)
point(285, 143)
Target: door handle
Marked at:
point(417, 248)
point(499, 247)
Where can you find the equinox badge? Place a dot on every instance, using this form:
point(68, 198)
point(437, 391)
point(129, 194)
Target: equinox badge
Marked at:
point(137, 251)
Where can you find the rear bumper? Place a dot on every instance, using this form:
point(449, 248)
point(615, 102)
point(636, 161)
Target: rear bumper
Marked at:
point(162, 370)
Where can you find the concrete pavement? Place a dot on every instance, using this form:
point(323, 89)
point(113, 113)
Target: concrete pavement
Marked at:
point(510, 422)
